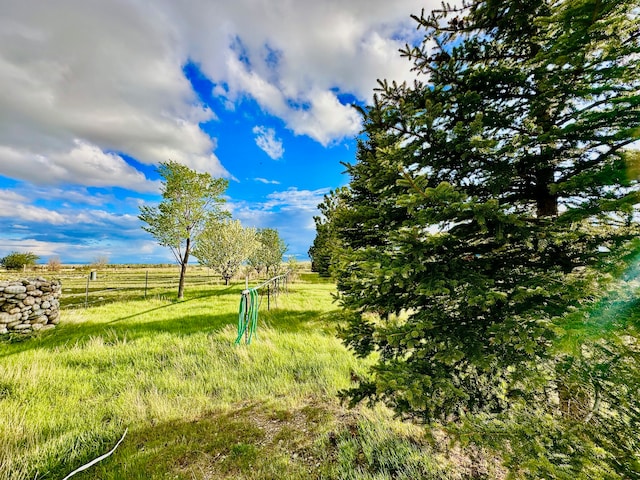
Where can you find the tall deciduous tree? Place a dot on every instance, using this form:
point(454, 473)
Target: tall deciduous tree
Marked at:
point(225, 246)
point(478, 205)
point(189, 200)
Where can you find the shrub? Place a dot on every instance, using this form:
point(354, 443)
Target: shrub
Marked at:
point(100, 262)
point(54, 264)
point(18, 260)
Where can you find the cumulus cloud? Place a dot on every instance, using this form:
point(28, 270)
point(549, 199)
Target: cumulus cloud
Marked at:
point(110, 74)
point(86, 84)
point(81, 77)
point(289, 200)
point(40, 248)
point(75, 234)
point(296, 68)
point(314, 112)
point(73, 196)
point(17, 207)
point(84, 163)
point(267, 141)
point(21, 208)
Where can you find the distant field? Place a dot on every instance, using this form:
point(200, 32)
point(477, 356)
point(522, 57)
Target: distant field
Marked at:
point(131, 282)
point(197, 406)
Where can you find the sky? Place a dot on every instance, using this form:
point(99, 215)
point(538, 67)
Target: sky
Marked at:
point(94, 94)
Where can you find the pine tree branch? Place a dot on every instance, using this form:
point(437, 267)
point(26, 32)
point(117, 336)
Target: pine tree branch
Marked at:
point(573, 115)
point(582, 166)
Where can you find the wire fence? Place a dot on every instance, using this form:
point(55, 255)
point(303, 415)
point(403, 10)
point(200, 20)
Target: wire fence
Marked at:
point(84, 289)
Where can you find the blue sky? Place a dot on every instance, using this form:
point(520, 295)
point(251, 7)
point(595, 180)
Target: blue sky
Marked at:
point(94, 94)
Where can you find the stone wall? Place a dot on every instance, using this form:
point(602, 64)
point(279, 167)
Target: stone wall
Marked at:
point(28, 305)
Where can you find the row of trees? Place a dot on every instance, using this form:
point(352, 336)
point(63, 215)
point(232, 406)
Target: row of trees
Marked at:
point(224, 246)
point(191, 222)
point(486, 242)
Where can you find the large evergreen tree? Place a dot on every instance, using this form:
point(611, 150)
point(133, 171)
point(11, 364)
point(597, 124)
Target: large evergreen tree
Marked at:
point(479, 205)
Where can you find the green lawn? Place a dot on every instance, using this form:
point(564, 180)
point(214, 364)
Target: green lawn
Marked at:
point(196, 406)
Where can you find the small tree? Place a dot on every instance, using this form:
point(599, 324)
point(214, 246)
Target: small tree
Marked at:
point(294, 267)
point(224, 246)
point(190, 200)
point(100, 262)
point(19, 260)
point(256, 262)
point(269, 255)
point(54, 264)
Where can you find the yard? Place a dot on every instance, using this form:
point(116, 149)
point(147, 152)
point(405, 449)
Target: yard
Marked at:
point(195, 405)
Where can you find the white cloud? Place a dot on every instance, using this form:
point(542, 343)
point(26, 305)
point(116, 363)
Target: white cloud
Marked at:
point(267, 141)
point(109, 74)
point(8, 197)
point(290, 211)
point(294, 199)
point(75, 235)
point(84, 163)
point(327, 119)
point(303, 202)
point(316, 113)
point(104, 76)
point(295, 68)
point(40, 248)
point(17, 207)
point(85, 83)
point(267, 182)
point(70, 196)
point(74, 252)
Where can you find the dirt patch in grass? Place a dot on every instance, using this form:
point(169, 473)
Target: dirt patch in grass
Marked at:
point(268, 442)
point(253, 441)
point(317, 440)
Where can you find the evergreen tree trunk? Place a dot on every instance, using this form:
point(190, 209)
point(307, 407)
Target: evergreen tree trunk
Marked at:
point(546, 203)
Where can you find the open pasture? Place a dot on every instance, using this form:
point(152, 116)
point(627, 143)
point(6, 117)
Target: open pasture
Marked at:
point(122, 283)
point(197, 406)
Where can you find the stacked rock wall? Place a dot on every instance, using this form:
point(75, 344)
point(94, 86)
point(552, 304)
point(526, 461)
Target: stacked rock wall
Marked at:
point(28, 305)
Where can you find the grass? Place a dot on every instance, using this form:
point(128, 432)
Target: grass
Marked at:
point(196, 405)
point(122, 284)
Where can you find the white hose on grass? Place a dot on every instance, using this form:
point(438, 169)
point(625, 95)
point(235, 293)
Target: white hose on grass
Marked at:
point(102, 457)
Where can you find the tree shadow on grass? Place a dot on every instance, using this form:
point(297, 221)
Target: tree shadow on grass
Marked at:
point(69, 334)
point(252, 440)
point(216, 293)
point(109, 295)
point(299, 321)
point(131, 327)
